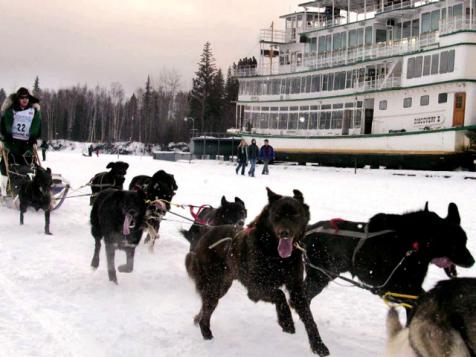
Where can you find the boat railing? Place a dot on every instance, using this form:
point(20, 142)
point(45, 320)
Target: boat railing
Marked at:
point(246, 71)
point(391, 5)
point(457, 24)
point(274, 36)
point(313, 60)
point(378, 83)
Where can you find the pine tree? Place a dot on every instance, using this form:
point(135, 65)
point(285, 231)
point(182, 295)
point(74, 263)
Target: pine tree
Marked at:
point(36, 87)
point(146, 113)
point(3, 95)
point(231, 96)
point(217, 101)
point(202, 87)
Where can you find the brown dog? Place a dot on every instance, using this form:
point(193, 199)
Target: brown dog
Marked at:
point(263, 259)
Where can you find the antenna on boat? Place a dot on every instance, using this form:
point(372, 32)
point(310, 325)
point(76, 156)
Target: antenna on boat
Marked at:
point(272, 50)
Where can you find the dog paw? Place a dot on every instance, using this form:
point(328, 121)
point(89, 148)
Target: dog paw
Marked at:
point(48, 233)
point(320, 349)
point(289, 329)
point(196, 320)
point(125, 268)
point(113, 277)
point(206, 333)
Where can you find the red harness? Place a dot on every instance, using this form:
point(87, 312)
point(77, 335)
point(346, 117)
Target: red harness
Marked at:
point(196, 214)
point(334, 222)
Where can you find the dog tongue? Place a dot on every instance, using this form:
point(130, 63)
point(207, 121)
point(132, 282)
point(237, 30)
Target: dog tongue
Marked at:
point(442, 262)
point(285, 247)
point(126, 230)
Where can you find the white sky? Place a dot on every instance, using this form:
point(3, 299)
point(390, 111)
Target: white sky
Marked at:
point(104, 41)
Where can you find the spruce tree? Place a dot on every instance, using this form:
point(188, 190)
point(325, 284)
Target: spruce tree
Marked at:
point(231, 96)
point(217, 101)
point(200, 99)
point(3, 95)
point(36, 87)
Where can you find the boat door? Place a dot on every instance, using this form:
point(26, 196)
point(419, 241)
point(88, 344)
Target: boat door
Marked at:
point(347, 121)
point(369, 117)
point(459, 108)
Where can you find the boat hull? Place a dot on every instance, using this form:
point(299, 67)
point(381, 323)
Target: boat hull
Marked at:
point(445, 149)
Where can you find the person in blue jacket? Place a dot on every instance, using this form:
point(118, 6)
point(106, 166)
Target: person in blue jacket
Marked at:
point(266, 154)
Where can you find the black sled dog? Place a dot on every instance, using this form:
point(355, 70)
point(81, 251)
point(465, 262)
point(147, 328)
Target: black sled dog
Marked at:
point(118, 218)
point(114, 178)
point(160, 189)
point(263, 258)
point(443, 325)
point(372, 251)
point(233, 213)
point(36, 193)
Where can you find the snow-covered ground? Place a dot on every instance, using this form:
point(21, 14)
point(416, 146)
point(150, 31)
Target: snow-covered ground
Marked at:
point(52, 304)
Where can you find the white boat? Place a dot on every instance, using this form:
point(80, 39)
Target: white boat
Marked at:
point(366, 82)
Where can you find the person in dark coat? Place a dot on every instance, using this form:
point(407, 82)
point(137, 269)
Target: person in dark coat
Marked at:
point(242, 156)
point(44, 146)
point(266, 154)
point(253, 154)
point(20, 127)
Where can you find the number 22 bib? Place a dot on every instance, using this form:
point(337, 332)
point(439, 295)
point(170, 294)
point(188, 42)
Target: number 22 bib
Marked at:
point(21, 124)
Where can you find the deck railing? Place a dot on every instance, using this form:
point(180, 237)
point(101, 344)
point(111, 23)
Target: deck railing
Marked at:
point(458, 24)
point(268, 35)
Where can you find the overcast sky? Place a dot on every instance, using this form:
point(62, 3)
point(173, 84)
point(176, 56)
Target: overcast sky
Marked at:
point(104, 41)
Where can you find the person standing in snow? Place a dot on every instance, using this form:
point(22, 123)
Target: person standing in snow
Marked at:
point(242, 156)
point(44, 146)
point(253, 153)
point(266, 154)
point(20, 128)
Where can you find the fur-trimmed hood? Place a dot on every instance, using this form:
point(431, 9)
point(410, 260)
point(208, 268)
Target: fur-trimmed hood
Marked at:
point(10, 100)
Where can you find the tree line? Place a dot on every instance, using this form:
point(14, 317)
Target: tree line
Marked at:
point(153, 114)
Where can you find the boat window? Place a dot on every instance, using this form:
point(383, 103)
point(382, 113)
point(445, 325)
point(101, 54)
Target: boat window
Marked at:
point(444, 62)
point(425, 22)
point(406, 32)
point(283, 120)
point(264, 118)
point(326, 106)
point(331, 81)
point(424, 100)
point(435, 20)
point(357, 118)
point(442, 98)
point(313, 123)
point(415, 28)
point(451, 61)
point(348, 83)
point(410, 67)
point(336, 122)
point(308, 84)
point(359, 104)
point(325, 120)
point(382, 105)
point(293, 109)
point(306, 108)
point(426, 65)
point(325, 82)
point(368, 35)
point(274, 121)
point(316, 83)
point(303, 121)
point(349, 105)
point(303, 84)
point(418, 67)
point(293, 120)
point(296, 85)
point(435, 63)
point(338, 106)
point(407, 102)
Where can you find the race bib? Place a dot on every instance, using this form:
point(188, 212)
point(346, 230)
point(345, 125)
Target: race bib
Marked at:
point(22, 123)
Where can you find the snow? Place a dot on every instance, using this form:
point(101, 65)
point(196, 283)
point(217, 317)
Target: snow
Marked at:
point(53, 304)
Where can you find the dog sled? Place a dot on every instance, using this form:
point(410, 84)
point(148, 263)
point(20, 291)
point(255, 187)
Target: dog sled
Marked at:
point(19, 173)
